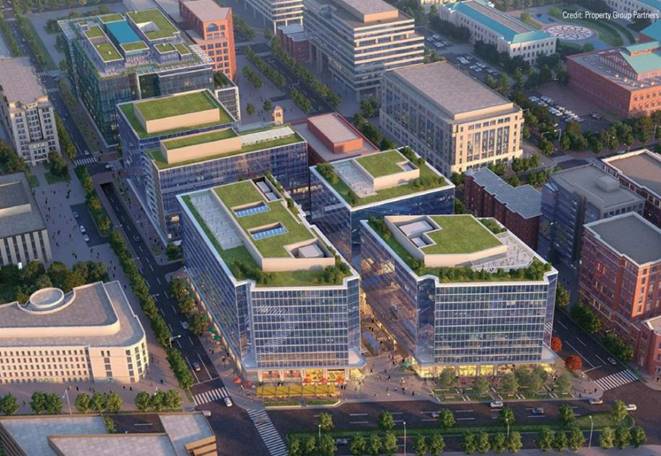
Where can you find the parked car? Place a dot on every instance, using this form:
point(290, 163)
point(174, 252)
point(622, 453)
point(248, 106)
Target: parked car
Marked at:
point(496, 404)
point(196, 366)
point(631, 407)
point(596, 401)
point(86, 238)
point(82, 229)
point(206, 413)
point(538, 411)
point(228, 402)
point(342, 441)
point(611, 360)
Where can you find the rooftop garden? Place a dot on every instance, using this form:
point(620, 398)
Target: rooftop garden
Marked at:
point(176, 105)
point(112, 17)
point(134, 46)
point(108, 52)
point(427, 180)
point(221, 81)
point(201, 138)
point(182, 49)
point(244, 267)
point(163, 25)
point(382, 163)
point(164, 47)
point(94, 32)
point(535, 271)
point(460, 234)
point(127, 110)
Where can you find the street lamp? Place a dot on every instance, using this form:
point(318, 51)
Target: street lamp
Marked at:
point(178, 336)
point(404, 422)
point(319, 429)
point(591, 429)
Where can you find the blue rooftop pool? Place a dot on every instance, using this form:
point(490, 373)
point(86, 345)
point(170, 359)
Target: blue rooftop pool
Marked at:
point(122, 32)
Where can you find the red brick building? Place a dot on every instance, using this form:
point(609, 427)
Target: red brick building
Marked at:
point(625, 81)
point(294, 41)
point(518, 208)
point(650, 348)
point(620, 279)
point(211, 27)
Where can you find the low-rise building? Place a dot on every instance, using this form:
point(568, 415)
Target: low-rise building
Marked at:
point(170, 434)
point(88, 334)
point(620, 278)
point(211, 27)
point(285, 303)
point(23, 233)
point(358, 40)
point(452, 120)
point(458, 292)
point(344, 192)
point(625, 81)
point(640, 171)
point(331, 137)
point(26, 113)
point(517, 208)
point(295, 42)
point(492, 26)
point(574, 197)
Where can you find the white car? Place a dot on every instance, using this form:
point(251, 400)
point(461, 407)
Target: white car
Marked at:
point(631, 407)
point(596, 401)
point(82, 229)
point(228, 402)
point(86, 238)
point(496, 404)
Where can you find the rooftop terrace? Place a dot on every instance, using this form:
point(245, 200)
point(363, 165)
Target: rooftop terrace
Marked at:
point(260, 235)
point(381, 176)
point(153, 24)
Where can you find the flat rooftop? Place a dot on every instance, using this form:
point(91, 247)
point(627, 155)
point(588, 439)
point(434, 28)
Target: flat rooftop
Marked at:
point(19, 81)
point(358, 179)
point(250, 223)
point(631, 235)
point(598, 187)
point(153, 23)
point(642, 167)
point(96, 314)
point(357, 14)
point(207, 10)
point(524, 200)
point(19, 212)
point(452, 90)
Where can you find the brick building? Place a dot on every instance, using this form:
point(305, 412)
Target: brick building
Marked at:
point(619, 279)
point(294, 40)
point(211, 27)
point(518, 208)
point(624, 81)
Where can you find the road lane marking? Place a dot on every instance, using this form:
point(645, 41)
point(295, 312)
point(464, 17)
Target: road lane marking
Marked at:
point(464, 411)
point(562, 324)
point(599, 358)
point(203, 364)
point(357, 422)
point(357, 414)
point(428, 419)
point(581, 341)
point(465, 418)
point(579, 353)
point(591, 369)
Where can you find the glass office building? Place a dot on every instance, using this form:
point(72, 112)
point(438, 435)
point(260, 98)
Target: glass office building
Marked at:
point(284, 302)
point(344, 192)
point(114, 58)
point(459, 292)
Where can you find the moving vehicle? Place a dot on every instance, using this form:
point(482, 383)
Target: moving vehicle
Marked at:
point(631, 407)
point(86, 238)
point(82, 229)
point(611, 360)
point(538, 411)
point(496, 404)
point(196, 366)
point(206, 413)
point(228, 402)
point(596, 401)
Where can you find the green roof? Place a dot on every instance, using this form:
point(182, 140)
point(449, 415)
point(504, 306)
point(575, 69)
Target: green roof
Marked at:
point(164, 47)
point(382, 163)
point(182, 49)
point(175, 105)
point(134, 46)
point(108, 52)
point(163, 25)
point(650, 60)
point(459, 234)
point(201, 138)
point(112, 17)
point(94, 32)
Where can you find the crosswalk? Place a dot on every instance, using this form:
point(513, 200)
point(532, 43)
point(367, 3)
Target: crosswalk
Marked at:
point(210, 396)
point(84, 161)
point(616, 380)
point(268, 432)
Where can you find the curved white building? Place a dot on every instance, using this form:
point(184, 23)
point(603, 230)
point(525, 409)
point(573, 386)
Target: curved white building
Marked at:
point(89, 333)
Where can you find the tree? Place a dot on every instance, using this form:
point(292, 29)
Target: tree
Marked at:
point(267, 106)
point(563, 384)
point(483, 444)
point(114, 402)
point(389, 443)
point(556, 344)
point(567, 416)
point(560, 441)
point(576, 439)
point(622, 436)
point(573, 363)
point(421, 445)
point(386, 421)
point(638, 436)
point(607, 438)
point(509, 384)
point(546, 438)
point(470, 443)
point(38, 402)
point(481, 386)
point(157, 401)
point(172, 400)
point(142, 401)
point(507, 416)
point(250, 109)
point(83, 403)
point(562, 296)
point(436, 444)
point(53, 404)
point(310, 446)
point(8, 404)
point(498, 443)
point(98, 402)
point(514, 442)
point(327, 445)
point(326, 422)
point(375, 444)
point(447, 378)
point(358, 445)
point(446, 419)
point(618, 412)
point(295, 447)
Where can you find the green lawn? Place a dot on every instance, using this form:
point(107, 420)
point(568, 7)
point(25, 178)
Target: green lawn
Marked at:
point(164, 26)
point(176, 105)
point(382, 163)
point(112, 17)
point(460, 234)
point(182, 49)
point(164, 47)
point(202, 138)
point(108, 52)
point(238, 194)
point(134, 46)
point(94, 32)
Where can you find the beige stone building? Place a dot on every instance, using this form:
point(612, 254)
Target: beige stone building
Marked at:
point(450, 119)
point(88, 334)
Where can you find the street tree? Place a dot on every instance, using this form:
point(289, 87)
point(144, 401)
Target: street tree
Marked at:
point(566, 415)
point(545, 440)
point(142, 401)
point(326, 422)
point(327, 446)
point(481, 386)
point(389, 443)
point(509, 384)
point(514, 442)
point(310, 446)
point(386, 421)
point(622, 436)
point(573, 363)
point(250, 109)
point(8, 404)
point(470, 443)
point(295, 447)
point(563, 384)
point(436, 444)
point(576, 438)
point(483, 443)
point(421, 445)
point(358, 445)
point(98, 402)
point(618, 412)
point(172, 400)
point(607, 438)
point(447, 378)
point(560, 441)
point(638, 436)
point(507, 417)
point(114, 402)
point(499, 442)
point(446, 419)
point(375, 444)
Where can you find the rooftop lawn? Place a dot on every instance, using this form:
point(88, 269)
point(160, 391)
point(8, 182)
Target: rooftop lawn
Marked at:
point(108, 52)
point(382, 163)
point(460, 234)
point(127, 110)
point(176, 105)
point(182, 49)
point(94, 32)
point(164, 47)
point(161, 163)
point(239, 194)
point(240, 256)
point(134, 46)
point(112, 17)
point(164, 26)
point(201, 138)
point(427, 181)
